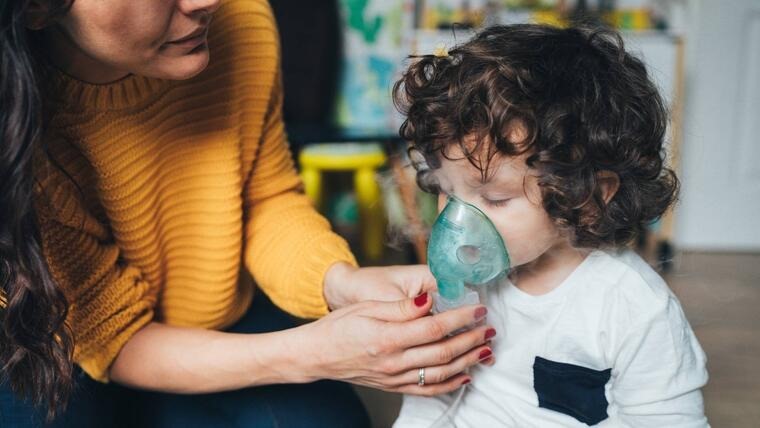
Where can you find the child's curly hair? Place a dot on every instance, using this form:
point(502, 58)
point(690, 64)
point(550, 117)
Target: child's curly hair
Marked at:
point(587, 106)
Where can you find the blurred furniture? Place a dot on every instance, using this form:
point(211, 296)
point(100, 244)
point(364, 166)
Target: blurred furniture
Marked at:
point(663, 54)
point(363, 159)
point(404, 175)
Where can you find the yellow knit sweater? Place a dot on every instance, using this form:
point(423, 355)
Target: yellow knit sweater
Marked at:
point(160, 192)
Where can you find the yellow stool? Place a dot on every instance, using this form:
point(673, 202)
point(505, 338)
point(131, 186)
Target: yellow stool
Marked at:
point(362, 158)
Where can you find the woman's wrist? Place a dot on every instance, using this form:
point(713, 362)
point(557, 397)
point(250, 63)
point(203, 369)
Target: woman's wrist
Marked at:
point(337, 288)
point(282, 357)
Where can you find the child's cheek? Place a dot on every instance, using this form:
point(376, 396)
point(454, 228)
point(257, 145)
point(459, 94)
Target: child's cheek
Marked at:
point(515, 237)
point(527, 230)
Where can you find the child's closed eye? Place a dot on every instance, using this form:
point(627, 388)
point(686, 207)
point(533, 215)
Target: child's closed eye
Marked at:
point(495, 202)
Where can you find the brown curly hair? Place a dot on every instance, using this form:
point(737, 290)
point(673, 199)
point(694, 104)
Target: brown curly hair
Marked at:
point(587, 105)
point(36, 343)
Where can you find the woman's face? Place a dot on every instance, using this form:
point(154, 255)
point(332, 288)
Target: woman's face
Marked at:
point(103, 40)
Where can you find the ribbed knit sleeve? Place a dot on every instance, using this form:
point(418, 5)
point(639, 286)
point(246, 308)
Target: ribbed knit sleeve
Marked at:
point(109, 300)
point(289, 245)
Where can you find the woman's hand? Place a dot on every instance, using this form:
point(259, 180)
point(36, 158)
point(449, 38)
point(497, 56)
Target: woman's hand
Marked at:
point(373, 343)
point(384, 344)
point(345, 284)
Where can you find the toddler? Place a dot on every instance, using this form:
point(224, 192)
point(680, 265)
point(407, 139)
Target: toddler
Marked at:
point(557, 136)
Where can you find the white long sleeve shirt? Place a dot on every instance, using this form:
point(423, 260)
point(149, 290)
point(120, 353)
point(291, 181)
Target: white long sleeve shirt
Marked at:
point(609, 346)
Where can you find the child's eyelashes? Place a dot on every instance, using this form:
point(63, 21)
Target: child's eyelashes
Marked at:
point(495, 203)
point(489, 202)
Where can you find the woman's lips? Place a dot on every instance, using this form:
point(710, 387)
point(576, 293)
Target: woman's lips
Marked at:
point(192, 40)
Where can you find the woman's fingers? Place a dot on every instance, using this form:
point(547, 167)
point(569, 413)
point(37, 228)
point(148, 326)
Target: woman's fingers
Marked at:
point(393, 340)
point(400, 310)
point(428, 280)
point(429, 329)
point(435, 374)
point(415, 279)
point(429, 390)
point(447, 350)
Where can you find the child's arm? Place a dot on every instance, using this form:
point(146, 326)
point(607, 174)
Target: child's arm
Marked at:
point(658, 372)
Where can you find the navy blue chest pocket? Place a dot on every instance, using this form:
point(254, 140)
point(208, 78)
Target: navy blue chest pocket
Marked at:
point(573, 390)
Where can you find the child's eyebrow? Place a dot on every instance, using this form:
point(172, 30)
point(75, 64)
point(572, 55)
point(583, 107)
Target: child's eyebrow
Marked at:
point(479, 182)
point(506, 181)
point(476, 180)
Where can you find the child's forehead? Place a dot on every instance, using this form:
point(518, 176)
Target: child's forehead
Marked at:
point(476, 171)
point(485, 159)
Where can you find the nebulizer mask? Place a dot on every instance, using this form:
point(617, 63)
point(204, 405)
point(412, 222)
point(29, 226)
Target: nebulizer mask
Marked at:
point(465, 251)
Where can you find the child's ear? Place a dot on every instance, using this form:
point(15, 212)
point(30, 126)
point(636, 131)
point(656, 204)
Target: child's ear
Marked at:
point(37, 15)
point(609, 183)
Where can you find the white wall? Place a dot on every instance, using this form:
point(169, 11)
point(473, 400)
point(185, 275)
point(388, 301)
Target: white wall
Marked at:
point(720, 208)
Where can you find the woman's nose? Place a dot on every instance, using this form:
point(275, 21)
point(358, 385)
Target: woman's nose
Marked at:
point(190, 7)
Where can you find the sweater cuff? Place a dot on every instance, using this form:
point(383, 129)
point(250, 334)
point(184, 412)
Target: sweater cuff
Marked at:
point(98, 365)
point(331, 249)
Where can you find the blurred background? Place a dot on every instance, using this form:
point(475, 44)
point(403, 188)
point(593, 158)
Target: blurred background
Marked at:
point(341, 57)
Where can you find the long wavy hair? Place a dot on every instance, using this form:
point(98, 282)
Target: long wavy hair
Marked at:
point(588, 107)
point(35, 342)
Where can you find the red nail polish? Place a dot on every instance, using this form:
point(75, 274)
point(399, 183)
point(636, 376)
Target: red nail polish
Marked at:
point(466, 381)
point(485, 354)
point(421, 300)
point(480, 313)
point(490, 333)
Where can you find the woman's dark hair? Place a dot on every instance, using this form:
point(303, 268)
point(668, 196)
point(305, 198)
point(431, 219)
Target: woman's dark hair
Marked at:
point(587, 106)
point(35, 342)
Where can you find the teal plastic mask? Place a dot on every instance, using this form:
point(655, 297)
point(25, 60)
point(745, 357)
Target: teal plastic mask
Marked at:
point(464, 249)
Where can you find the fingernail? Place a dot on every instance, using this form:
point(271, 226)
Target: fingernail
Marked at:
point(490, 333)
point(420, 300)
point(466, 381)
point(487, 361)
point(485, 354)
point(480, 313)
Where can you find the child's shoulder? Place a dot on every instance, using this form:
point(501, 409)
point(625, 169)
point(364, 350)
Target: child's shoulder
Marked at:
point(626, 282)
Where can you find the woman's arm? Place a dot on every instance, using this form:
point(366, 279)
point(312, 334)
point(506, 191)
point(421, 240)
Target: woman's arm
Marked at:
point(193, 360)
point(378, 344)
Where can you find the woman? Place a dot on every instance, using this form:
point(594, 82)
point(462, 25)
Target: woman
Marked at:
point(142, 186)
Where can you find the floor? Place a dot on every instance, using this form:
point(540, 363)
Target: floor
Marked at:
point(720, 294)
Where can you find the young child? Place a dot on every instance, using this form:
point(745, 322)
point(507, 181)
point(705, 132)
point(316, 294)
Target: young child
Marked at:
point(557, 136)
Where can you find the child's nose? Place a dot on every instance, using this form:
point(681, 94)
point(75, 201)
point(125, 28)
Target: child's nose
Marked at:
point(442, 199)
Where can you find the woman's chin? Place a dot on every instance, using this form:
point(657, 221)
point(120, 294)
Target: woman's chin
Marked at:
point(186, 66)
